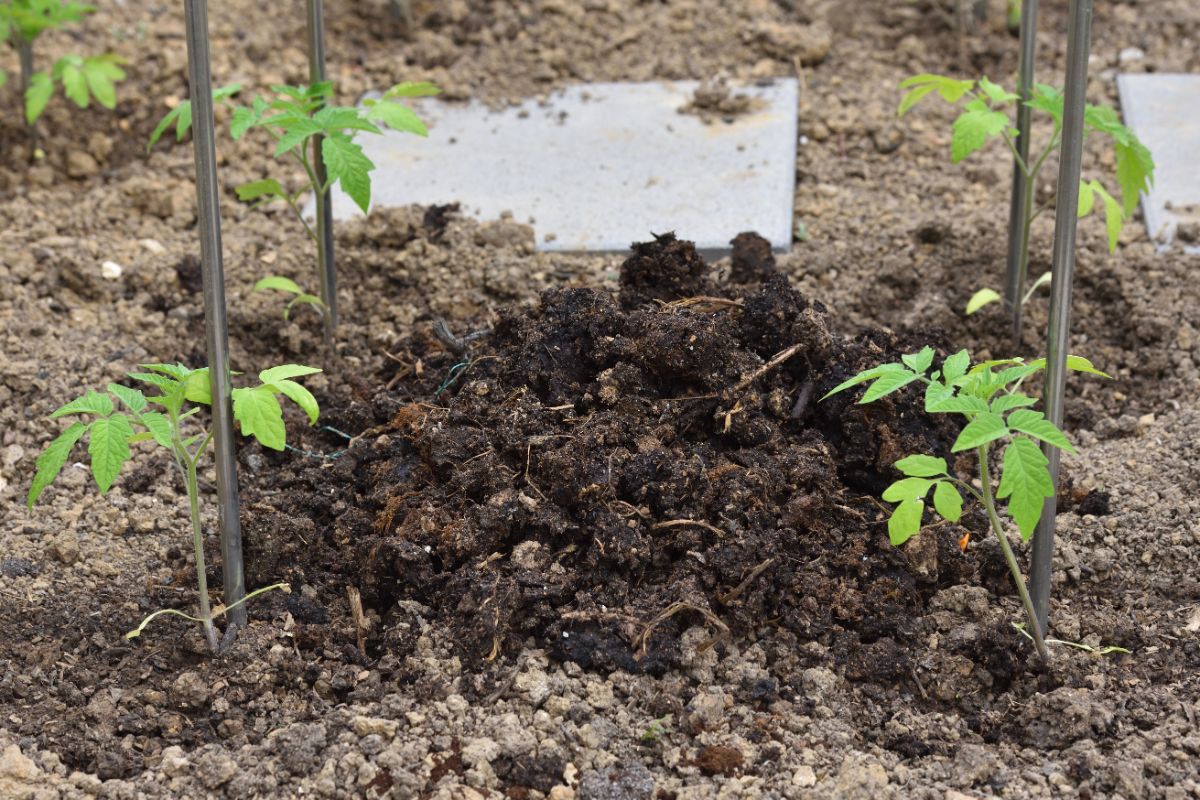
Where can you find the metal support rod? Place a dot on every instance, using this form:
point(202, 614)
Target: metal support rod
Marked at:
point(1065, 219)
point(1023, 185)
point(326, 266)
point(208, 204)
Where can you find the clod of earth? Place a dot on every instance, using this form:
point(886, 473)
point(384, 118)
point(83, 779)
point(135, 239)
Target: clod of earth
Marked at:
point(606, 472)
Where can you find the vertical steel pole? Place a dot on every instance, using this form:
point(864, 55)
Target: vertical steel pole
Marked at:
point(1023, 185)
point(1065, 218)
point(208, 204)
point(324, 200)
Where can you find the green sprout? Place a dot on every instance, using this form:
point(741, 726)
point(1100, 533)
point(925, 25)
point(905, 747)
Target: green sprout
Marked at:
point(294, 119)
point(82, 78)
point(985, 116)
point(169, 420)
point(989, 399)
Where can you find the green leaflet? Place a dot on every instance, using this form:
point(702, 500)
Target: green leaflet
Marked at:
point(886, 384)
point(51, 461)
point(947, 501)
point(348, 166)
point(133, 399)
point(973, 128)
point(258, 412)
point(1025, 483)
point(108, 445)
point(279, 283)
point(37, 96)
point(91, 403)
point(301, 397)
point(905, 521)
point(919, 362)
point(907, 489)
point(285, 371)
point(986, 427)
point(866, 375)
point(982, 298)
point(920, 466)
point(1035, 424)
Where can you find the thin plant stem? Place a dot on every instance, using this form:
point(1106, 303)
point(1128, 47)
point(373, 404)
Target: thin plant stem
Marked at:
point(210, 633)
point(989, 503)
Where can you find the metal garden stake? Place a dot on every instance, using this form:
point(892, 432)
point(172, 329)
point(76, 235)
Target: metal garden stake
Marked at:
point(324, 199)
point(1023, 185)
point(1066, 216)
point(209, 214)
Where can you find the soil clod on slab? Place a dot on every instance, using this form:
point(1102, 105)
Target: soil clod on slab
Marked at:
point(603, 473)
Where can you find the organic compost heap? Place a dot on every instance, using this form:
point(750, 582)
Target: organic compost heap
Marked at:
point(603, 473)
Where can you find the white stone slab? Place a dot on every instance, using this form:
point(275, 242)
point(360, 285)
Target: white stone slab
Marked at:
point(599, 166)
point(1164, 111)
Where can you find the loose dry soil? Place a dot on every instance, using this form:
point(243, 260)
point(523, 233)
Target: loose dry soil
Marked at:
point(583, 556)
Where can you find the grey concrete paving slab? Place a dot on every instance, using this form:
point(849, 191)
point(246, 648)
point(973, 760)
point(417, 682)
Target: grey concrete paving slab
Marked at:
point(1164, 111)
point(598, 166)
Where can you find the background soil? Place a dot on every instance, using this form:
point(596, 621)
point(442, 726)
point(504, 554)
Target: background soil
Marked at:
point(893, 237)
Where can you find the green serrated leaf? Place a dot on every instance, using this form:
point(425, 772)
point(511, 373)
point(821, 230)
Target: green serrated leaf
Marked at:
point(51, 461)
point(984, 428)
point(285, 371)
point(921, 466)
point(177, 371)
point(159, 427)
point(347, 165)
point(108, 445)
point(133, 399)
point(300, 396)
point(996, 94)
point(1007, 402)
point(91, 403)
point(295, 134)
point(955, 366)
point(197, 387)
point(334, 120)
point(259, 413)
point(919, 362)
point(905, 521)
point(1135, 172)
point(254, 190)
point(1026, 483)
point(864, 376)
point(398, 117)
point(947, 501)
point(74, 84)
point(1048, 100)
point(41, 89)
point(1035, 424)
point(886, 384)
point(939, 399)
point(163, 124)
point(907, 489)
point(102, 73)
point(973, 128)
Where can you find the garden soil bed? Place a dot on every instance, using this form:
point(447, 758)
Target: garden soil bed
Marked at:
point(586, 542)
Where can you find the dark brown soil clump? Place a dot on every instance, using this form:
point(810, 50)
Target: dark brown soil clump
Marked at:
point(601, 474)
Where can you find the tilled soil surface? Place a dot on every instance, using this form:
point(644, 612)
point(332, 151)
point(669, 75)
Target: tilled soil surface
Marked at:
point(602, 550)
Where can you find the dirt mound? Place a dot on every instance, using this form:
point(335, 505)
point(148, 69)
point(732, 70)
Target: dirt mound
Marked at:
point(602, 473)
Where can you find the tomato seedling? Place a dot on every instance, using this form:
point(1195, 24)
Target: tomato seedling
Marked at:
point(82, 78)
point(169, 420)
point(293, 119)
point(989, 399)
point(985, 117)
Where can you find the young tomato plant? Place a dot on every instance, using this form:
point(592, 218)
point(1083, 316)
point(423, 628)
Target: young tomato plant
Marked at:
point(82, 78)
point(293, 119)
point(985, 117)
point(988, 397)
point(168, 419)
